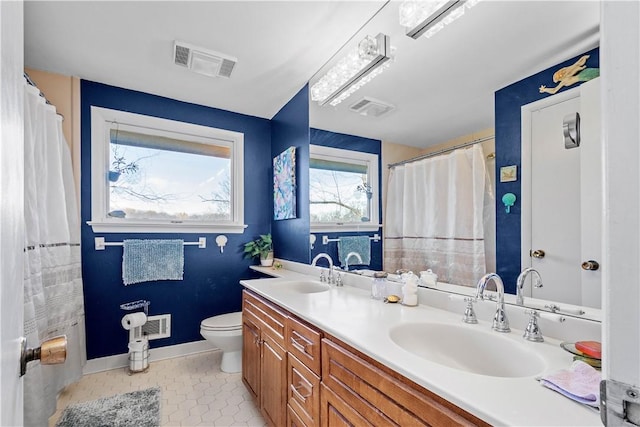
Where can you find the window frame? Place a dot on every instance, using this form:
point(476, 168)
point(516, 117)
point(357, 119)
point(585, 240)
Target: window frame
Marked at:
point(373, 177)
point(101, 120)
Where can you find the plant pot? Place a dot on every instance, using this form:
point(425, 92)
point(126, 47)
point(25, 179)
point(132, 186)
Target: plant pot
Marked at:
point(114, 176)
point(266, 260)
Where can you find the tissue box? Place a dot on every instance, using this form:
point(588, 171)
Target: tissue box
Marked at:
point(428, 278)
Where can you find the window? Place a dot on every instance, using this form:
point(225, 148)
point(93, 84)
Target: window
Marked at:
point(343, 193)
point(158, 175)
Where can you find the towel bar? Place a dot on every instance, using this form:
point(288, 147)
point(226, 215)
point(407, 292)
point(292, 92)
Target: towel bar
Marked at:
point(326, 239)
point(101, 244)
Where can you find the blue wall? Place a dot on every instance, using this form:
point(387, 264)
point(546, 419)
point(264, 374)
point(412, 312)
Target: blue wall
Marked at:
point(354, 143)
point(211, 279)
point(290, 128)
point(508, 140)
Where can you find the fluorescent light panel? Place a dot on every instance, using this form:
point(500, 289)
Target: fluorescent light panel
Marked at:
point(353, 71)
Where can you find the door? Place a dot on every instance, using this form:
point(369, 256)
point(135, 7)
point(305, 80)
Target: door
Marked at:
point(11, 210)
point(251, 357)
point(620, 62)
point(562, 197)
point(554, 202)
point(273, 383)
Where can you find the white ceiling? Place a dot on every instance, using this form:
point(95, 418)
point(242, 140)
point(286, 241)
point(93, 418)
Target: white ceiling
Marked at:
point(442, 87)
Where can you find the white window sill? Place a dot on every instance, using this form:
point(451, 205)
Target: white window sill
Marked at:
point(164, 227)
point(339, 228)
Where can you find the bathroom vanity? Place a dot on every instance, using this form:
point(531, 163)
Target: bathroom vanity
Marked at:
point(323, 355)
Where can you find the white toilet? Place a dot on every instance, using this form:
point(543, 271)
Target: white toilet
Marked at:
point(225, 332)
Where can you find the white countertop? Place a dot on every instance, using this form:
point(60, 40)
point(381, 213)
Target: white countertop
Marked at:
point(349, 314)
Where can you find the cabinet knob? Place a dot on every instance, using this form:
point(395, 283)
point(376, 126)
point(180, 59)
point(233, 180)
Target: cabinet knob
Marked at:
point(590, 265)
point(538, 253)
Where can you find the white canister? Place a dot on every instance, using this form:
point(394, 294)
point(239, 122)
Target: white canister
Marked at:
point(428, 278)
point(138, 355)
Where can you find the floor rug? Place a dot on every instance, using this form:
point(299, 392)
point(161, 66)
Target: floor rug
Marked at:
point(138, 408)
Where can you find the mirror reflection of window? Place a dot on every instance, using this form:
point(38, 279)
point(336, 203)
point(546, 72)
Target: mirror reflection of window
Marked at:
point(343, 187)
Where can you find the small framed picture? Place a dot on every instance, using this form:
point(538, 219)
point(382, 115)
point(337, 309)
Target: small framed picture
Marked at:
point(509, 173)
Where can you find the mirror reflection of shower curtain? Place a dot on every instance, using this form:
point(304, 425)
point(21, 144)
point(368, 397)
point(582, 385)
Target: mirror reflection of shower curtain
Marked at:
point(438, 210)
point(53, 299)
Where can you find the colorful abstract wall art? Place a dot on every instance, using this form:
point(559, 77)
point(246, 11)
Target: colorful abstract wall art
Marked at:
point(284, 184)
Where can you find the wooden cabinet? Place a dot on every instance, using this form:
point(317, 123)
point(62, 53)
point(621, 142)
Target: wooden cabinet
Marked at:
point(303, 377)
point(264, 358)
point(378, 395)
point(251, 348)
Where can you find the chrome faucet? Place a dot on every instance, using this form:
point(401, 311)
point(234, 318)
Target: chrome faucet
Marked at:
point(500, 321)
point(315, 260)
point(349, 255)
point(520, 283)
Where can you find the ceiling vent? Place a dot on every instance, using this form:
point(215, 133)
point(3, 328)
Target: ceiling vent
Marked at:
point(371, 107)
point(203, 61)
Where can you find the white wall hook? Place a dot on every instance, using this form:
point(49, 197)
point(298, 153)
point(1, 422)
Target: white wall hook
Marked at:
point(221, 241)
point(312, 240)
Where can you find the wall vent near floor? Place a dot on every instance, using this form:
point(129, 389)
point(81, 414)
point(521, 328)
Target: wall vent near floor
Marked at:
point(371, 107)
point(156, 327)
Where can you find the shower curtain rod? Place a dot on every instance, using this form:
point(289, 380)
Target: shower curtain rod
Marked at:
point(32, 83)
point(445, 150)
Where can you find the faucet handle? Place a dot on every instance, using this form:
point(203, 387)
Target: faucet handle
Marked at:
point(338, 279)
point(469, 313)
point(322, 276)
point(532, 331)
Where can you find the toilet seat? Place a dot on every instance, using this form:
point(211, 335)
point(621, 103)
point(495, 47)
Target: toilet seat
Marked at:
point(223, 322)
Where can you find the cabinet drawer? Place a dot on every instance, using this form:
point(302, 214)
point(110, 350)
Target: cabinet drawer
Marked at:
point(304, 342)
point(303, 391)
point(267, 314)
point(381, 396)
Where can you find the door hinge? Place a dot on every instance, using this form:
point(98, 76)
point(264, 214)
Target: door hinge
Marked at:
point(619, 404)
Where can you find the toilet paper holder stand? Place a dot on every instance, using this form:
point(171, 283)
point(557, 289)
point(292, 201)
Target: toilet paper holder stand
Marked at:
point(134, 305)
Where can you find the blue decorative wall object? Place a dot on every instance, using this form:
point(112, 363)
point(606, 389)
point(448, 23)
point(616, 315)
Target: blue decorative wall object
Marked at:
point(290, 128)
point(211, 278)
point(508, 102)
point(364, 145)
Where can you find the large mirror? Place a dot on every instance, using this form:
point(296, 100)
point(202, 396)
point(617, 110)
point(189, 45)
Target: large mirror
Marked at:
point(441, 93)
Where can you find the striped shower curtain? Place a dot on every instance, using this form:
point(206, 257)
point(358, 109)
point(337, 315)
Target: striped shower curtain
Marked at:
point(53, 301)
point(436, 215)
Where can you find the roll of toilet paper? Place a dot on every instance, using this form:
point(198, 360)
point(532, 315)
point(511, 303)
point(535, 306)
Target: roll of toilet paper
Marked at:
point(134, 320)
point(138, 346)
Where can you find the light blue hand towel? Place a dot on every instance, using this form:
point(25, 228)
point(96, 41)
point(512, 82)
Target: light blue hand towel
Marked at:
point(151, 260)
point(358, 244)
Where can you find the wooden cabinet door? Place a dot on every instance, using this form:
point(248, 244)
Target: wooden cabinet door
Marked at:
point(251, 358)
point(336, 412)
point(273, 384)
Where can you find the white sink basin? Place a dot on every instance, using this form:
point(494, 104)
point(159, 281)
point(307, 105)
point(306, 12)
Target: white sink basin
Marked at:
point(305, 286)
point(468, 348)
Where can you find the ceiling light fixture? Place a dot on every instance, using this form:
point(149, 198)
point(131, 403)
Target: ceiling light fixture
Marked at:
point(427, 17)
point(360, 66)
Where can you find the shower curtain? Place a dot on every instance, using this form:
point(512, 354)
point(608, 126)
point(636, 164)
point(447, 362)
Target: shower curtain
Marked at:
point(436, 213)
point(53, 299)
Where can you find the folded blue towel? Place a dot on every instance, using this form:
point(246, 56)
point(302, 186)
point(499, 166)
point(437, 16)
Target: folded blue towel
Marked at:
point(358, 244)
point(151, 260)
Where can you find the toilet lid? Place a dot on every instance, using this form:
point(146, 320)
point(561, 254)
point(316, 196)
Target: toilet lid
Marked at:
point(223, 322)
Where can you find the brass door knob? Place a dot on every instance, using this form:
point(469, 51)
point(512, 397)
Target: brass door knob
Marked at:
point(52, 352)
point(590, 265)
point(538, 253)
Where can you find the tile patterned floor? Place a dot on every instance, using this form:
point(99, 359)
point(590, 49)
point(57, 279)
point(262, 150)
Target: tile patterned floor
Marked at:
point(194, 391)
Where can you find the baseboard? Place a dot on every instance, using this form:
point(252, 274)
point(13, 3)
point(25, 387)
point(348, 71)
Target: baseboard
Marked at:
point(122, 360)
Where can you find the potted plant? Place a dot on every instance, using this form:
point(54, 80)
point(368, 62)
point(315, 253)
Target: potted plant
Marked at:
point(262, 247)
